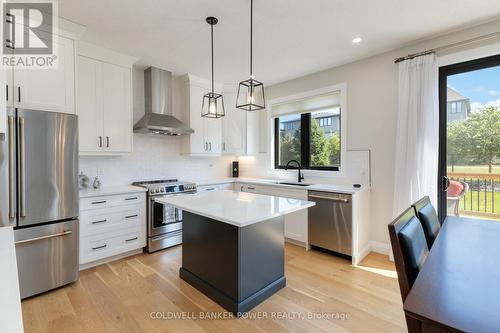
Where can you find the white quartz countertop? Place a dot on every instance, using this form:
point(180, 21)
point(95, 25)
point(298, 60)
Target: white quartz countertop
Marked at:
point(279, 183)
point(111, 190)
point(236, 208)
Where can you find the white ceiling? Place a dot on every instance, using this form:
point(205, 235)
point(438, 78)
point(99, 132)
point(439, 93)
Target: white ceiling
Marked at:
point(291, 37)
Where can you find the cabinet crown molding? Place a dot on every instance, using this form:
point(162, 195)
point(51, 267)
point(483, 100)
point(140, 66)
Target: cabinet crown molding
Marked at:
point(104, 54)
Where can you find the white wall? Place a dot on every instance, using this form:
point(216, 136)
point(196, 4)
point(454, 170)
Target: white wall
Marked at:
point(153, 157)
point(372, 91)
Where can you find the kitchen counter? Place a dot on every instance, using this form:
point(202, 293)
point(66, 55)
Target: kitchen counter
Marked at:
point(276, 182)
point(233, 245)
point(237, 208)
point(111, 190)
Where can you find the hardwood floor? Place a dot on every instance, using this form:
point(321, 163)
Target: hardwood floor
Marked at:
point(122, 295)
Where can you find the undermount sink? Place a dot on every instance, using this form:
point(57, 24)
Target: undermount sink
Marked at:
point(295, 184)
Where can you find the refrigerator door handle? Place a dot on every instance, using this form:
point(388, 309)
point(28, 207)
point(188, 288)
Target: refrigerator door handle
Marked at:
point(12, 208)
point(22, 165)
point(64, 233)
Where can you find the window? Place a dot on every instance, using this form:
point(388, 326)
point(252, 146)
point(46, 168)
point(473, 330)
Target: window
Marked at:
point(453, 107)
point(308, 143)
point(459, 107)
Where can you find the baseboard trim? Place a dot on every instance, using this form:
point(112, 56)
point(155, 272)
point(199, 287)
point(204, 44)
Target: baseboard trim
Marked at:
point(109, 259)
point(379, 247)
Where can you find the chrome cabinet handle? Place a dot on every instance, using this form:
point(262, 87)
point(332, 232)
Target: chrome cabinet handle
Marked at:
point(206, 146)
point(99, 247)
point(100, 141)
point(101, 221)
point(22, 165)
point(98, 202)
point(107, 141)
point(210, 145)
point(12, 209)
point(328, 198)
point(64, 233)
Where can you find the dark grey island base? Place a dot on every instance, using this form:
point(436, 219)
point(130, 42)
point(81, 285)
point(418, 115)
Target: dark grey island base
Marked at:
point(237, 267)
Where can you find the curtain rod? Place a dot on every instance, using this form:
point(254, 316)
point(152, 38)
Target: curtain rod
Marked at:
point(449, 46)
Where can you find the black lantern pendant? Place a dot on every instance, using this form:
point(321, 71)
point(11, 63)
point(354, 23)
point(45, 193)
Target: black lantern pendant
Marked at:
point(251, 95)
point(213, 103)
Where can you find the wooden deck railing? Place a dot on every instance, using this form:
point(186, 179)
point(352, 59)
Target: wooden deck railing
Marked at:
point(483, 197)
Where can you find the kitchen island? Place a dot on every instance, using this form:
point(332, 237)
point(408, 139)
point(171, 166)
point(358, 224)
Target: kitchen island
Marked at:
point(233, 245)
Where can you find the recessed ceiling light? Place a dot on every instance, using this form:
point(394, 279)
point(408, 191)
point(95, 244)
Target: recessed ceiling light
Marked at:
point(357, 40)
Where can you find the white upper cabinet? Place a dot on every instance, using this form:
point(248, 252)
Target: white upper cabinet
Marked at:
point(207, 137)
point(117, 108)
point(104, 102)
point(89, 104)
point(48, 89)
point(234, 127)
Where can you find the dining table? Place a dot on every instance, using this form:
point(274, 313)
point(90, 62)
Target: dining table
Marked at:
point(458, 288)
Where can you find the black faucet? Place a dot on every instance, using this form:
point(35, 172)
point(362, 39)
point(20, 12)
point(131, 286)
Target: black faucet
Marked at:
point(300, 175)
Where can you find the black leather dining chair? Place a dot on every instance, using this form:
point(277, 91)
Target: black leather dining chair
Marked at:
point(428, 217)
point(410, 251)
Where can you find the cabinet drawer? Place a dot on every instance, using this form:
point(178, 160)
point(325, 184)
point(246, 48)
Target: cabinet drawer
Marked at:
point(114, 221)
point(111, 201)
point(100, 247)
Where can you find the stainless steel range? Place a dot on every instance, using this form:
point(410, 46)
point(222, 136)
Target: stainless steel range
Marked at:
point(164, 222)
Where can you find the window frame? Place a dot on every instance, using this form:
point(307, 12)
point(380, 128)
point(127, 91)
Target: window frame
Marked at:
point(339, 88)
point(305, 144)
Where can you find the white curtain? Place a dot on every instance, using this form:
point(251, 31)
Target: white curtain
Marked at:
point(417, 137)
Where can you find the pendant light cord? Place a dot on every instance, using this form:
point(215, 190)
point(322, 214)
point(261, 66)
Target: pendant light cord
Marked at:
point(212, 46)
point(251, 38)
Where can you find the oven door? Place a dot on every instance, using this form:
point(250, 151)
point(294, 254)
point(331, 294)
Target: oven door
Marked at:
point(163, 218)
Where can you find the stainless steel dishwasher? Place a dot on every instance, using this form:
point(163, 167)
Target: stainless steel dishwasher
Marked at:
point(330, 222)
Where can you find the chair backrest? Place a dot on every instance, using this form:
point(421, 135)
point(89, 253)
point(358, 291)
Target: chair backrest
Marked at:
point(409, 248)
point(429, 219)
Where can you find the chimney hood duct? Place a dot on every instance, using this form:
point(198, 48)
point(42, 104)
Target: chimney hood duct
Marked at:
point(158, 97)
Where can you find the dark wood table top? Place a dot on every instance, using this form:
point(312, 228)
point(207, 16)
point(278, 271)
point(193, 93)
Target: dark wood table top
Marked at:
point(459, 285)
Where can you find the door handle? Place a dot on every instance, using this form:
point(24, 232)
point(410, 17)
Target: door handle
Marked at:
point(206, 146)
point(100, 141)
point(99, 247)
point(22, 165)
point(328, 198)
point(19, 94)
point(101, 221)
point(210, 145)
point(445, 183)
point(131, 216)
point(131, 239)
point(98, 202)
point(6, 92)
point(250, 188)
point(107, 141)
point(64, 233)
point(132, 198)
point(12, 209)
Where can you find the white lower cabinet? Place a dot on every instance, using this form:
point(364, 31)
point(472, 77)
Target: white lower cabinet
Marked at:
point(295, 223)
point(111, 225)
point(215, 187)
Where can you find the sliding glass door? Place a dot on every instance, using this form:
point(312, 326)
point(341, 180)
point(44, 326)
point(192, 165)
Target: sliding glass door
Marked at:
point(469, 148)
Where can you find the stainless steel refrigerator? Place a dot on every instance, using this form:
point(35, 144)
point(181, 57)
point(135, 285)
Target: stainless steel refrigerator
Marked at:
point(39, 196)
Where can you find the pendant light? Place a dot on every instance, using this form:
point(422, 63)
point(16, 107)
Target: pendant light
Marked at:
point(213, 103)
point(251, 92)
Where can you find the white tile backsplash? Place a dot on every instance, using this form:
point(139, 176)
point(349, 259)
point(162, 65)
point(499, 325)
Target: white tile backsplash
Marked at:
point(154, 157)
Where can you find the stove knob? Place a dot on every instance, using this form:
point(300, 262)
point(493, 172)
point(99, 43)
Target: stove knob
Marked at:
point(162, 190)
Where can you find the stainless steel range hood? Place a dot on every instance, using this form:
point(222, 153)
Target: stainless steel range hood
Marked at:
point(158, 97)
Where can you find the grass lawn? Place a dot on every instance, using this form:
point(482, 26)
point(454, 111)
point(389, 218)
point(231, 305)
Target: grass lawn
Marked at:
point(474, 168)
point(483, 202)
